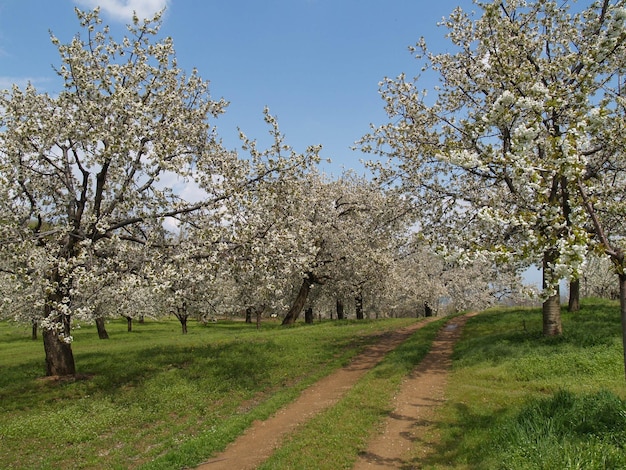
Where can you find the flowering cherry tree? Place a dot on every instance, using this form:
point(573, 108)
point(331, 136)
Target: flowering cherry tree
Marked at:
point(85, 166)
point(496, 157)
point(336, 234)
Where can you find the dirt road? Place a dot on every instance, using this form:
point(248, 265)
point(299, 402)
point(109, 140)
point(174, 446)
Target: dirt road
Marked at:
point(420, 393)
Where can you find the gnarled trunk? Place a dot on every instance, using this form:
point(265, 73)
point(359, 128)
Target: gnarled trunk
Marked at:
point(182, 314)
point(56, 339)
point(298, 304)
point(59, 356)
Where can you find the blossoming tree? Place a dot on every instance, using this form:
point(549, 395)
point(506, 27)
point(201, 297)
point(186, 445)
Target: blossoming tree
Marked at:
point(494, 159)
point(85, 165)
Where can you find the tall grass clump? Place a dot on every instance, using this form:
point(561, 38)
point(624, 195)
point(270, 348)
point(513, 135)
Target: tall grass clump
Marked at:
point(519, 400)
point(567, 430)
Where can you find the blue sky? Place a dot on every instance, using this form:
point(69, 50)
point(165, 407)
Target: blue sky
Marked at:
point(315, 63)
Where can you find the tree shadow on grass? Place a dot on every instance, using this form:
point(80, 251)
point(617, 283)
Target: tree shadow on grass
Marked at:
point(499, 336)
point(221, 368)
point(455, 448)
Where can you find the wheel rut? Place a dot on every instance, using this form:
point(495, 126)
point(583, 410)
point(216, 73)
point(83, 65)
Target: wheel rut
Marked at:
point(420, 394)
point(260, 440)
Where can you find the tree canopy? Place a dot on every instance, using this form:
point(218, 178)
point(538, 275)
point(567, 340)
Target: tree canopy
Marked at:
point(499, 160)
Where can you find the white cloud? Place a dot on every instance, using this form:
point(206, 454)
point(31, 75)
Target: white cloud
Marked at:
point(122, 10)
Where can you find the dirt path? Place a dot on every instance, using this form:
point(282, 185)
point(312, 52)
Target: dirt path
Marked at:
point(421, 393)
point(265, 436)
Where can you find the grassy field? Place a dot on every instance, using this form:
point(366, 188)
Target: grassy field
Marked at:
point(518, 400)
point(155, 399)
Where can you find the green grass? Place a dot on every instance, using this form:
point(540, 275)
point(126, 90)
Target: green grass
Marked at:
point(155, 398)
point(517, 400)
point(333, 439)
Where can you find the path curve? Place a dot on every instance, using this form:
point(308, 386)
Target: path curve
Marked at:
point(421, 392)
point(260, 440)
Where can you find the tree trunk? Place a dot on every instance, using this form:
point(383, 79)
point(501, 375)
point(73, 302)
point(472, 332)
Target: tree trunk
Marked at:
point(574, 296)
point(182, 315)
point(551, 308)
point(358, 305)
point(622, 307)
point(298, 304)
point(33, 334)
point(249, 314)
point(129, 323)
point(308, 316)
point(59, 356)
point(102, 331)
point(340, 311)
point(552, 316)
point(428, 311)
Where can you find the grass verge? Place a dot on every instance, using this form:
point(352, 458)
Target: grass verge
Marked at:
point(517, 400)
point(155, 398)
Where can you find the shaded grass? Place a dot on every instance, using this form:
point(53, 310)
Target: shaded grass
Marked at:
point(157, 398)
point(517, 400)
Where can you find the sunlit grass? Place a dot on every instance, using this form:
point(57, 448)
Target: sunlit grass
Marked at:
point(156, 397)
point(518, 400)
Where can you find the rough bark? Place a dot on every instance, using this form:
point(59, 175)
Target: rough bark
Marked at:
point(574, 296)
point(298, 304)
point(340, 310)
point(102, 331)
point(551, 308)
point(59, 356)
